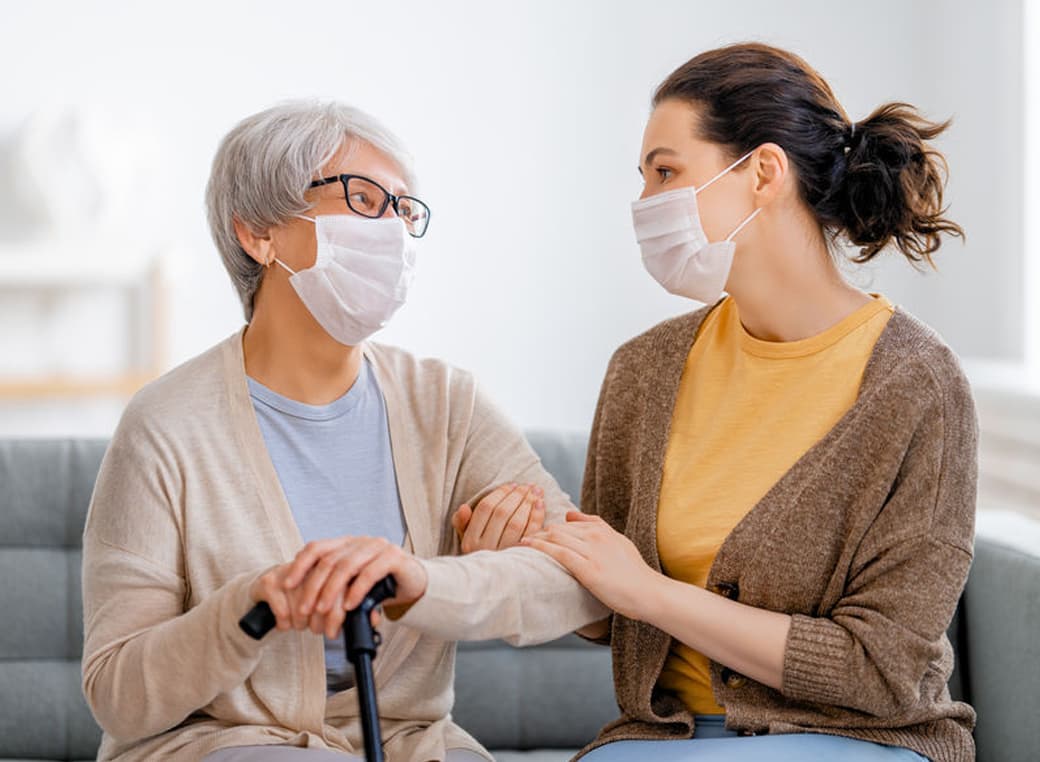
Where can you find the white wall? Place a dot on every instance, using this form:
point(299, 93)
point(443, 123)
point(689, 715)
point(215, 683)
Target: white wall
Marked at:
point(537, 108)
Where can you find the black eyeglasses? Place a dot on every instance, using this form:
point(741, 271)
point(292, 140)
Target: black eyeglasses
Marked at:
point(370, 199)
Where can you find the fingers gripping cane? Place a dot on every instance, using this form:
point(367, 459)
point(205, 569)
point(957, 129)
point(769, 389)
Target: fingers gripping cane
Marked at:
point(361, 640)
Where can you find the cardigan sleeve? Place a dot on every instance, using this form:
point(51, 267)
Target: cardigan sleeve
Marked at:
point(518, 594)
point(147, 662)
point(590, 502)
point(873, 647)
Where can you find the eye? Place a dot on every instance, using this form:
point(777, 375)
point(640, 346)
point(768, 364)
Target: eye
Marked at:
point(663, 173)
point(363, 202)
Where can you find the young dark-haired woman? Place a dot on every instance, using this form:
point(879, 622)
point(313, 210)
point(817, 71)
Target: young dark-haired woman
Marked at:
point(781, 484)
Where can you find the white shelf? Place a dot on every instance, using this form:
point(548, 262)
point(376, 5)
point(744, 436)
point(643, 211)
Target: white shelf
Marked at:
point(63, 265)
point(51, 387)
point(56, 269)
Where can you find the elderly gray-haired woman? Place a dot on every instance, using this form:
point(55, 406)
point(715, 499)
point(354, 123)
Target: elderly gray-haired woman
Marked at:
point(294, 430)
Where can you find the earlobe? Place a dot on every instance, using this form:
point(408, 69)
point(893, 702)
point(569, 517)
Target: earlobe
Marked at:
point(257, 246)
point(266, 252)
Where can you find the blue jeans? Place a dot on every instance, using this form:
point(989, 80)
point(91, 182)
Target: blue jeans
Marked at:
point(713, 742)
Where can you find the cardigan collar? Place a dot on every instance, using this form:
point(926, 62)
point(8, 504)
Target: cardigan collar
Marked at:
point(398, 641)
point(672, 347)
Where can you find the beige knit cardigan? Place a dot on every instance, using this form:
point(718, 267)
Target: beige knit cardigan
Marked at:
point(188, 511)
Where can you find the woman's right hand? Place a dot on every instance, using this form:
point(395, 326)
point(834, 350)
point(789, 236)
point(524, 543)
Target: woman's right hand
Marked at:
point(504, 517)
point(270, 587)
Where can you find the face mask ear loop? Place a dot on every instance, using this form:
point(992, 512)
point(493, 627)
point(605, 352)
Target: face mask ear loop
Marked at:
point(745, 222)
point(280, 262)
point(723, 172)
point(285, 266)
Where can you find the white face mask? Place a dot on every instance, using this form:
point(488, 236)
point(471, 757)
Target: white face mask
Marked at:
point(360, 277)
point(676, 251)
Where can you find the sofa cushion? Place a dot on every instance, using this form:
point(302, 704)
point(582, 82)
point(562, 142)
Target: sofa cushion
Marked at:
point(556, 695)
point(1000, 654)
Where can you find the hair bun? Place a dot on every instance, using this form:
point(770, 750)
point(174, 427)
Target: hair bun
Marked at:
point(892, 185)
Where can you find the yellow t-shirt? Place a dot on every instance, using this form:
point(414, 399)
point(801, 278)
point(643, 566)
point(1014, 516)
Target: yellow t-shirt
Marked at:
point(746, 411)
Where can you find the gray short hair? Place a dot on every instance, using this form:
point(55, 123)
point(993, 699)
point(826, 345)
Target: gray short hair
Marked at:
point(264, 165)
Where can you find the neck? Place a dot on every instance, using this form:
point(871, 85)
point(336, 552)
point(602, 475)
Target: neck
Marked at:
point(291, 354)
point(787, 291)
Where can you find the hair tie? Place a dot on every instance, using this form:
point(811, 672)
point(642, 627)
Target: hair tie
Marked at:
point(849, 136)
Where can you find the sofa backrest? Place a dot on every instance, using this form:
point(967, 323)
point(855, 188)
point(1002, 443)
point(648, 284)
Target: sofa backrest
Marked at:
point(555, 695)
point(999, 651)
point(45, 488)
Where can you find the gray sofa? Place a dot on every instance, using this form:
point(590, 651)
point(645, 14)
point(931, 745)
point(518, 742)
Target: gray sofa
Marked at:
point(549, 699)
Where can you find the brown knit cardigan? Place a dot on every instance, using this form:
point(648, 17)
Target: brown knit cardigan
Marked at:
point(866, 541)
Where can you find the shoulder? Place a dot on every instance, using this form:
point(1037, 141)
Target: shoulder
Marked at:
point(436, 400)
point(919, 357)
point(409, 366)
point(416, 376)
point(662, 340)
point(190, 391)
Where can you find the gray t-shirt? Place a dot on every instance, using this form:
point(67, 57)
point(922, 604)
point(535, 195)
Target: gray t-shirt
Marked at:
point(337, 471)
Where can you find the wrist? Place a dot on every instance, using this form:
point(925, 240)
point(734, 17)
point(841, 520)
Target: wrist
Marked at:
point(422, 579)
point(419, 580)
point(653, 597)
point(257, 587)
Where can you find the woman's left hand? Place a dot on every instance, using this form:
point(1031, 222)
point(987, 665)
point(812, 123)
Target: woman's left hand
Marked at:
point(604, 561)
point(501, 519)
point(334, 575)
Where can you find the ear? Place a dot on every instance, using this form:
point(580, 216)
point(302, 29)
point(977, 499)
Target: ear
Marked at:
point(257, 245)
point(771, 170)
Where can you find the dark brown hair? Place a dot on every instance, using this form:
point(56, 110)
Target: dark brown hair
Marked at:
point(873, 182)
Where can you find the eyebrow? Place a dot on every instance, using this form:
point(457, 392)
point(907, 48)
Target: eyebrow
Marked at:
point(659, 150)
point(397, 190)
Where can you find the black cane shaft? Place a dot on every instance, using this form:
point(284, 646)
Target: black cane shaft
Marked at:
point(369, 707)
point(361, 642)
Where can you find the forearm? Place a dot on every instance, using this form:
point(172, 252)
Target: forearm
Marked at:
point(146, 683)
point(518, 595)
point(748, 640)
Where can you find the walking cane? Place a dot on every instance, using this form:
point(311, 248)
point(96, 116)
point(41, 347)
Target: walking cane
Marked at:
point(361, 641)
